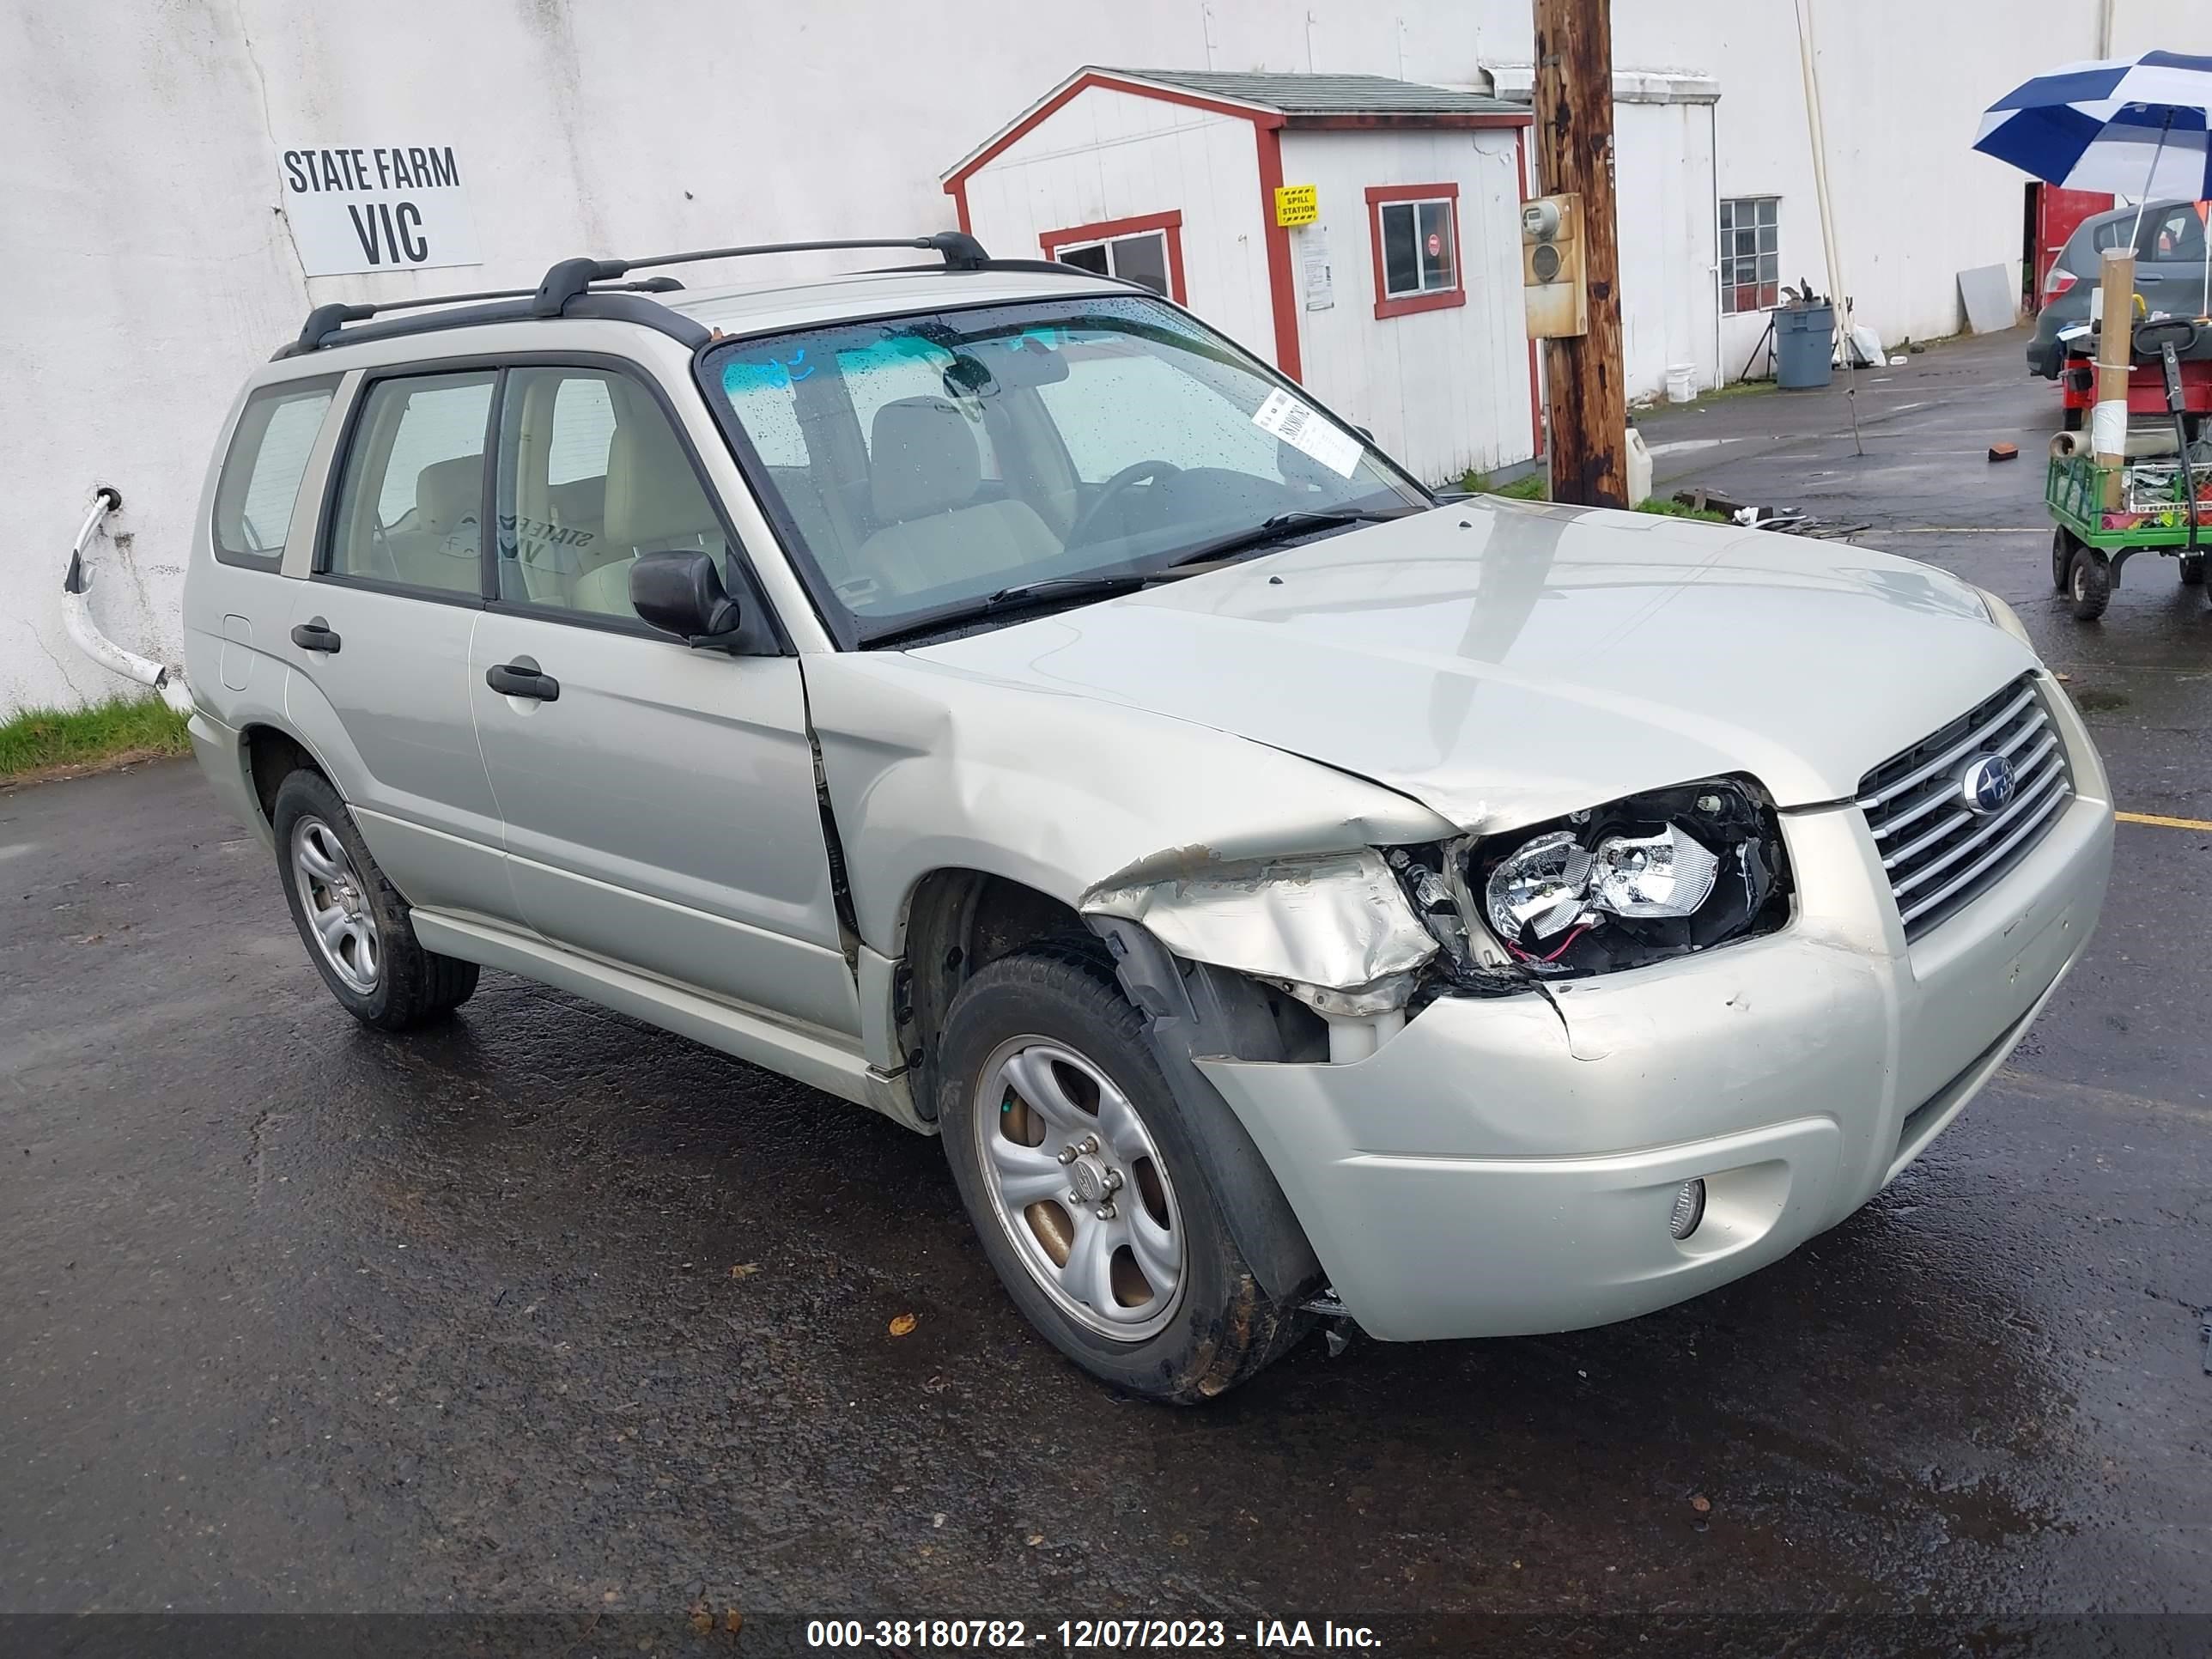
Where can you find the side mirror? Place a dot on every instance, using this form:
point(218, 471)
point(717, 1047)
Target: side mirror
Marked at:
point(681, 592)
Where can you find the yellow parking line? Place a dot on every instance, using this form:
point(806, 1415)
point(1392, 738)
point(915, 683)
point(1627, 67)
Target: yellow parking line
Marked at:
point(2163, 823)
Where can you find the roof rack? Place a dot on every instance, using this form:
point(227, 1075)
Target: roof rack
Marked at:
point(574, 277)
point(571, 285)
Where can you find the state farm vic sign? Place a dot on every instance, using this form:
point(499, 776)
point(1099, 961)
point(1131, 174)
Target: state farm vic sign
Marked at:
point(388, 207)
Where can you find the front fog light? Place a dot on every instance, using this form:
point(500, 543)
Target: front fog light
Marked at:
point(1689, 1209)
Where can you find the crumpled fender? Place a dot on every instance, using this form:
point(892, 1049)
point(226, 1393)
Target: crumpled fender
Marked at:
point(1339, 921)
point(931, 766)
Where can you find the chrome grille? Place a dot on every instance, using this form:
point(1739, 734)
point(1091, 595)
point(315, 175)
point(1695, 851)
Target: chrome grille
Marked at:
point(1940, 857)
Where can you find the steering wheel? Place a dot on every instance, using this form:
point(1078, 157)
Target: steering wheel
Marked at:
point(1136, 472)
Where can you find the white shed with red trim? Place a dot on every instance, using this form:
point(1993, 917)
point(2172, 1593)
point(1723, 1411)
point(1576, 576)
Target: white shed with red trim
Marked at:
point(1399, 302)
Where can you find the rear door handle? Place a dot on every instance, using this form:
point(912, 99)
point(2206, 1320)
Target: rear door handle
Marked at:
point(521, 678)
point(315, 635)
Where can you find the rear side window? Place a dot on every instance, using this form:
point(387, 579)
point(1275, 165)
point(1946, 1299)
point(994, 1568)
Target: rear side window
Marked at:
point(261, 476)
point(410, 503)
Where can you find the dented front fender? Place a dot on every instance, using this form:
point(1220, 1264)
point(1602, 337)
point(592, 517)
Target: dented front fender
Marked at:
point(932, 768)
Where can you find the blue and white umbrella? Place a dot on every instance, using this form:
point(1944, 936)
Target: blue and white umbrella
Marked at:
point(2134, 126)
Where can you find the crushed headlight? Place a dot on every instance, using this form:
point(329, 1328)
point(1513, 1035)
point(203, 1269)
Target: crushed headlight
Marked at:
point(1656, 875)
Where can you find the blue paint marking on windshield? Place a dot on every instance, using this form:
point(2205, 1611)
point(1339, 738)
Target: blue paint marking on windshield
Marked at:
point(743, 374)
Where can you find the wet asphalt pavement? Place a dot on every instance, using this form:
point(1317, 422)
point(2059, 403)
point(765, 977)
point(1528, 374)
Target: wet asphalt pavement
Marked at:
point(546, 1311)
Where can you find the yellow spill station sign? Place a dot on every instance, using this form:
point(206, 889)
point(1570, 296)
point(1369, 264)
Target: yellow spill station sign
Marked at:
point(1297, 204)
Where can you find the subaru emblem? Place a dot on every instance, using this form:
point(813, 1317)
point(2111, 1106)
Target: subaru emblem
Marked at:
point(1987, 784)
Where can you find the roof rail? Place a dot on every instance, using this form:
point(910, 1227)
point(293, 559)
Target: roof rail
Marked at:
point(325, 319)
point(572, 280)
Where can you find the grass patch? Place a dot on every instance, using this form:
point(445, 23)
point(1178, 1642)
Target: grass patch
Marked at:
point(1534, 486)
point(42, 740)
point(1668, 507)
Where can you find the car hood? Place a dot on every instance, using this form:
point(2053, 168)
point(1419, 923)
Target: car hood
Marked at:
point(1502, 663)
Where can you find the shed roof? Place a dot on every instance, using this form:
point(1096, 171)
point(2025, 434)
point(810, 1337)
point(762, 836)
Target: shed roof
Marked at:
point(1285, 101)
point(1326, 94)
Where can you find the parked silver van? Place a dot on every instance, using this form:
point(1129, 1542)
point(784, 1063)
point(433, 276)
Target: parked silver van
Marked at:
point(983, 692)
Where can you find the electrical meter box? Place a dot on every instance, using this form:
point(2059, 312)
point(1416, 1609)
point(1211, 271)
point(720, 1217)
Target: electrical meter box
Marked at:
point(1553, 284)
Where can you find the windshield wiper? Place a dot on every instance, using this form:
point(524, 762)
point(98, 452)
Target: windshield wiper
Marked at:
point(1059, 588)
point(1281, 528)
point(1284, 525)
point(1045, 589)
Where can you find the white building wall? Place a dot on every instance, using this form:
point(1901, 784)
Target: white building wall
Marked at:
point(1443, 390)
point(149, 267)
point(1105, 155)
point(1669, 316)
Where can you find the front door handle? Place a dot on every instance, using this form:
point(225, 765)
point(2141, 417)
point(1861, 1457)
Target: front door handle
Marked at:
point(315, 635)
point(521, 678)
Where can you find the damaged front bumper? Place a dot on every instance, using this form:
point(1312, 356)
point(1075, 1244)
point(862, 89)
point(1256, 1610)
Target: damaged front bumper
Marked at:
point(1508, 1166)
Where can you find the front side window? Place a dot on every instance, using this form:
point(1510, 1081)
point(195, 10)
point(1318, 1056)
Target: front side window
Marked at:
point(1751, 253)
point(1415, 234)
point(926, 463)
point(590, 475)
point(1148, 249)
point(262, 475)
point(411, 502)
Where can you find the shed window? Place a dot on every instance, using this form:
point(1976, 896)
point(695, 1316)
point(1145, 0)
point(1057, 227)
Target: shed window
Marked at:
point(1751, 253)
point(1148, 250)
point(1414, 230)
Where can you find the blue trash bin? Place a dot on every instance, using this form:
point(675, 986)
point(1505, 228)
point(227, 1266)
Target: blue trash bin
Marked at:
point(1804, 343)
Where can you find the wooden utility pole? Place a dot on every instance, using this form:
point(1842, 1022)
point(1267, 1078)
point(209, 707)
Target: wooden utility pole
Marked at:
point(1587, 403)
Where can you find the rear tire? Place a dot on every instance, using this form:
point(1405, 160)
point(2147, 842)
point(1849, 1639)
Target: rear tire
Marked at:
point(2089, 583)
point(1042, 1057)
point(354, 922)
point(2193, 571)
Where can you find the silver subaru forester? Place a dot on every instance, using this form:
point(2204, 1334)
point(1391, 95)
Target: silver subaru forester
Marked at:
point(982, 691)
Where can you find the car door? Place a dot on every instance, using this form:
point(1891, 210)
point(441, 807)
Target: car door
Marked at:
point(379, 635)
point(659, 803)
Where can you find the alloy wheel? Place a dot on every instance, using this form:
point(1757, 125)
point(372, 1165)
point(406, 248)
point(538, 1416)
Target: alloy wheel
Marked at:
point(1078, 1183)
point(337, 906)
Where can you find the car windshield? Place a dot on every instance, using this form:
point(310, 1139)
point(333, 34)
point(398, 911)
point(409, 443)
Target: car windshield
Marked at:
point(928, 466)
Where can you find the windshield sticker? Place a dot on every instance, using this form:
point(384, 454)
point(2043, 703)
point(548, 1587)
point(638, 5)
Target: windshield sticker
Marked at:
point(1299, 426)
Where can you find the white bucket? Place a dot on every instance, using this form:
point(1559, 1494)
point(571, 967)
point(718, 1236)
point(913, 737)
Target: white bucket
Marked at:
point(1682, 383)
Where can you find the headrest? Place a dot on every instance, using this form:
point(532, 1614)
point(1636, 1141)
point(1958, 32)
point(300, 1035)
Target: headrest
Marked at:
point(449, 494)
point(922, 459)
point(653, 497)
point(579, 500)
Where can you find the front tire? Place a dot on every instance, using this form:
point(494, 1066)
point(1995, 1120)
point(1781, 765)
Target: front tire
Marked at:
point(2089, 583)
point(353, 921)
point(1088, 1189)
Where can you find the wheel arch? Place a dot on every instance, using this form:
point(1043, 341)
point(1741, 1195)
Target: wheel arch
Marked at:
point(272, 752)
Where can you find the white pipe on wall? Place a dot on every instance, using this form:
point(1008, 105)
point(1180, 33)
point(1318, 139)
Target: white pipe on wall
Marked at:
point(84, 633)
